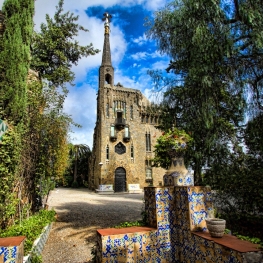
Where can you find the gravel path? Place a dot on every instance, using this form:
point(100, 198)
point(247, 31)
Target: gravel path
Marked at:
point(80, 213)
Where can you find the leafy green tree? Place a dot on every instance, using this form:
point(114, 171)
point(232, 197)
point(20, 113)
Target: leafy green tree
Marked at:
point(15, 58)
point(54, 49)
point(253, 136)
point(216, 56)
point(77, 152)
point(216, 50)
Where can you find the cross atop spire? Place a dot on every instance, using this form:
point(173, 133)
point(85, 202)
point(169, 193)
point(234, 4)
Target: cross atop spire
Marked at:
point(107, 18)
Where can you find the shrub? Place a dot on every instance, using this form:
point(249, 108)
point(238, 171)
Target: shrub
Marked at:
point(31, 227)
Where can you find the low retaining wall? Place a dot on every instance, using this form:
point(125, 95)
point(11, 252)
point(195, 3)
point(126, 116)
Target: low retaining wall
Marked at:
point(12, 248)
point(39, 244)
point(174, 213)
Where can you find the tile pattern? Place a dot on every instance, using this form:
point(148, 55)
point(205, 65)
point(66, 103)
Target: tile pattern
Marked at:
point(150, 206)
point(175, 212)
point(10, 254)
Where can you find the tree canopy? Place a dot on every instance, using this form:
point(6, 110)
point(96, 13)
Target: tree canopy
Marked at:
point(215, 81)
point(216, 57)
point(55, 49)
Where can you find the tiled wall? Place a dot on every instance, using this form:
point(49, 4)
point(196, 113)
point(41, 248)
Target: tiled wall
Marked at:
point(12, 249)
point(175, 213)
point(9, 254)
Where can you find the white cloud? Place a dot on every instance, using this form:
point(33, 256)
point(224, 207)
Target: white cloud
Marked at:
point(162, 64)
point(155, 5)
point(140, 40)
point(146, 55)
point(81, 105)
point(140, 55)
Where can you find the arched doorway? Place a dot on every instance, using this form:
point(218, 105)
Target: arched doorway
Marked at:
point(120, 180)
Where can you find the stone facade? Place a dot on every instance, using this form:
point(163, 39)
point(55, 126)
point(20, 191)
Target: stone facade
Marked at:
point(125, 133)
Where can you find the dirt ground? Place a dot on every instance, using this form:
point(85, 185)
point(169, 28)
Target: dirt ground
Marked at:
point(80, 213)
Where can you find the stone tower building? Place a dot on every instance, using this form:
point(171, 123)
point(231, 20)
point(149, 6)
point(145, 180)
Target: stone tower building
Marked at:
point(125, 133)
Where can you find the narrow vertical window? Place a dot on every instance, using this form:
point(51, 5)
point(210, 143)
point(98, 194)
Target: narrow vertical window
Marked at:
point(107, 110)
point(124, 109)
point(132, 152)
point(148, 142)
point(147, 119)
point(107, 153)
point(142, 119)
point(131, 112)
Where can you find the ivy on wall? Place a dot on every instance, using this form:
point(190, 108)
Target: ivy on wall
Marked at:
point(9, 162)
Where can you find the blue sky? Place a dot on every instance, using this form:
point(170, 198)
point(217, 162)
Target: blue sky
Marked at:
point(132, 53)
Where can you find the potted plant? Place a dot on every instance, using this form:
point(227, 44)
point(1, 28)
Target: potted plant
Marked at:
point(215, 226)
point(169, 152)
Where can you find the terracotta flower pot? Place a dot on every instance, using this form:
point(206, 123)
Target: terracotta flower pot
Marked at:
point(216, 226)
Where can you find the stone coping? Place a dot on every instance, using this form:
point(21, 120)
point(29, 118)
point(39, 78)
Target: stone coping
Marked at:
point(11, 241)
point(126, 230)
point(230, 241)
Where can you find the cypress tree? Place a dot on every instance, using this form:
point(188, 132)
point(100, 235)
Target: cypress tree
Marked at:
point(15, 57)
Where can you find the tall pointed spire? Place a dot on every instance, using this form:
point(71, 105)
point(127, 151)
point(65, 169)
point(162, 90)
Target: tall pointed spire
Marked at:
point(106, 56)
point(106, 72)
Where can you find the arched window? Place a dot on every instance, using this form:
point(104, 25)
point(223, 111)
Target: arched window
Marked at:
point(108, 79)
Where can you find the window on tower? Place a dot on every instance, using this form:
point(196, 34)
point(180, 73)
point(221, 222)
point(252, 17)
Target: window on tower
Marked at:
point(132, 152)
point(148, 141)
point(107, 110)
point(108, 79)
point(147, 119)
point(107, 152)
point(131, 112)
point(120, 106)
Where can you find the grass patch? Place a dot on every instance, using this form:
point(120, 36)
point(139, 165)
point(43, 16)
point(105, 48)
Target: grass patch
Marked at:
point(129, 224)
point(31, 228)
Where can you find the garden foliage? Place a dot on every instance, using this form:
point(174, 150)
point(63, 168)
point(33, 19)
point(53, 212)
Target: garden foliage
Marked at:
point(215, 86)
point(35, 68)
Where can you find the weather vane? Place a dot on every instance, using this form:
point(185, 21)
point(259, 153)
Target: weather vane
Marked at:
point(107, 17)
